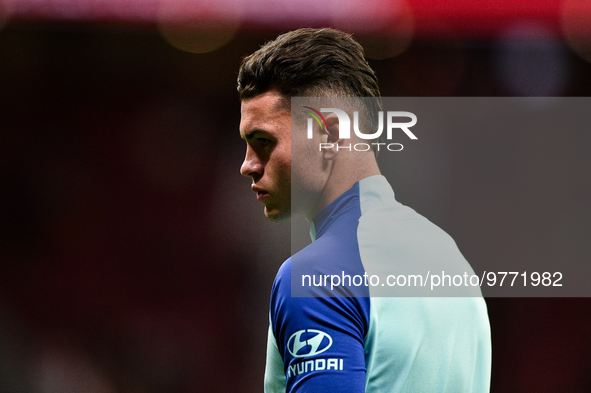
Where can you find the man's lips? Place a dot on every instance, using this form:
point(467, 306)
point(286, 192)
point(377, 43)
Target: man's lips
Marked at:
point(261, 194)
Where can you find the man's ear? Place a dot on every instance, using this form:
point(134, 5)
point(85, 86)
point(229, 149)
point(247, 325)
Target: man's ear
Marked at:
point(330, 149)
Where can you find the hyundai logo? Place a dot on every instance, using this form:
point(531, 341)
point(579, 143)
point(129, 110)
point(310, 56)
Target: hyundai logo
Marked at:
point(312, 343)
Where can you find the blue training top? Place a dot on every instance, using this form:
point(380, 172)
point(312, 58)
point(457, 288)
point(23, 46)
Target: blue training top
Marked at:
point(344, 338)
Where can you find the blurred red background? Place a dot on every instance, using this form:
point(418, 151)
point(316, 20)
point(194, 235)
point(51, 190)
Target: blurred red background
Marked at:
point(133, 257)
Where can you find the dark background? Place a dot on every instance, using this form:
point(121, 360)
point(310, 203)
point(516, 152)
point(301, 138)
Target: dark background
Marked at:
point(135, 258)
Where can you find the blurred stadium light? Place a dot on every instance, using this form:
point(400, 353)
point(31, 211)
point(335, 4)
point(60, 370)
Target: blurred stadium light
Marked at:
point(202, 25)
point(431, 18)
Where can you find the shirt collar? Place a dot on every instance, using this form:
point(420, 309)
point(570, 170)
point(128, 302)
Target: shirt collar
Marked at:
point(368, 193)
point(326, 216)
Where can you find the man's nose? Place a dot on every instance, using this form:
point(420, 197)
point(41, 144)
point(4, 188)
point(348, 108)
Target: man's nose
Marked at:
point(252, 166)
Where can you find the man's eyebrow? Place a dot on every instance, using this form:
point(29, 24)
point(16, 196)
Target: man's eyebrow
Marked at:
point(251, 134)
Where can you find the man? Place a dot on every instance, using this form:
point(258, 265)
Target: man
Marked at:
point(347, 339)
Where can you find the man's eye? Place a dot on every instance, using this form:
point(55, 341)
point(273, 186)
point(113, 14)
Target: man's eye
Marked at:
point(263, 141)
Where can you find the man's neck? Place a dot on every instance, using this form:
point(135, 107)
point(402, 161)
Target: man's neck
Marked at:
point(341, 179)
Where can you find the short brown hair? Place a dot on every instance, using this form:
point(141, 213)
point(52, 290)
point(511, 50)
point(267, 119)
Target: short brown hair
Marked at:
point(307, 61)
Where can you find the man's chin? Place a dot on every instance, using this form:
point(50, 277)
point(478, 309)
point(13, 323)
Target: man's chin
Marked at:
point(277, 215)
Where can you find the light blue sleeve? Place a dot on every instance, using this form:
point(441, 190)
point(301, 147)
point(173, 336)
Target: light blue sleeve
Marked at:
point(274, 376)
